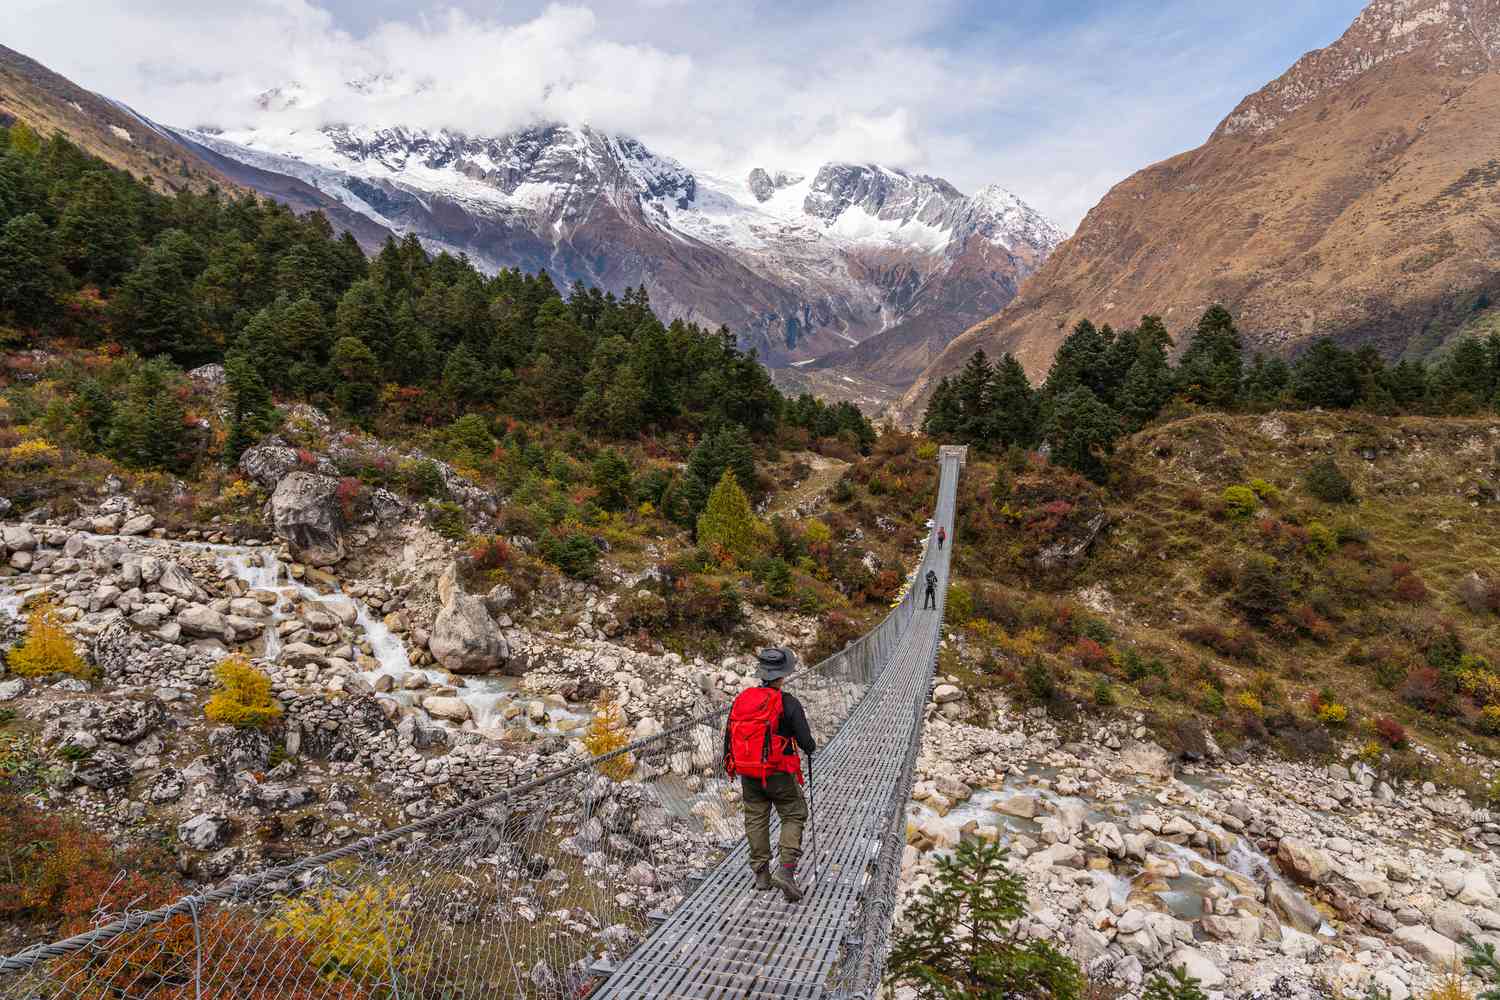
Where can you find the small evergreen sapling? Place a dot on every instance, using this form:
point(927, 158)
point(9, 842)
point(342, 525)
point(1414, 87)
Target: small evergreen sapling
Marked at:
point(962, 940)
point(1177, 985)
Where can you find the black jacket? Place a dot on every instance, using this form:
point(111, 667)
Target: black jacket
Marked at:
point(793, 725)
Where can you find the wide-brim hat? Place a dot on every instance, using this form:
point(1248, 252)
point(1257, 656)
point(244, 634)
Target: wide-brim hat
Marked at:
point(775, 662)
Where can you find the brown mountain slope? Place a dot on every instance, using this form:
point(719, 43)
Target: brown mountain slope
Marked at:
point(1357, 196)
point(49, 103)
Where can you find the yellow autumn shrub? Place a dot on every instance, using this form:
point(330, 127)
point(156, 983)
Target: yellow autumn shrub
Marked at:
point(34, 454)
point(47, 648)
point(606, 734)
point(243, 697)
point(1331, 713)
point(358, 934)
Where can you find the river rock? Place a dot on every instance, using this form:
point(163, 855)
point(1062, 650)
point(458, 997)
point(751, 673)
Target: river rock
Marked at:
point(1146, 759)
point(205, 831)
point(268, 464)
point(1199, 966)
point(138, 525)
point(173, 581)
point(1292, 907)
point(306, 512)
point(452, 709)
point(1020, 806)
point(1428, 945)
point(202, 622)
point(1303, 862)
point(17, 538)
point(465, 638)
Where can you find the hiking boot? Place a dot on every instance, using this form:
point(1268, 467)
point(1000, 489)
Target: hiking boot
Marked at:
point(786, 881)
point(763, 882)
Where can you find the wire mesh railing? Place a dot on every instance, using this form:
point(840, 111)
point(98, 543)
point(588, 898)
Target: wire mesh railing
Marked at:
point(516, 894)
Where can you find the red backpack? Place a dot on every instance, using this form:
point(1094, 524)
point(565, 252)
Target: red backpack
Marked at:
point(755, 751)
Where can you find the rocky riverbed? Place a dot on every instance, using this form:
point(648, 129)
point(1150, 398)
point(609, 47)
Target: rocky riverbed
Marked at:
point(401, 693)
point(1265, 878)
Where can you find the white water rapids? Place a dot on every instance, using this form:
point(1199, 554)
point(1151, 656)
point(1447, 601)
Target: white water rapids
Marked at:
point(259, 570)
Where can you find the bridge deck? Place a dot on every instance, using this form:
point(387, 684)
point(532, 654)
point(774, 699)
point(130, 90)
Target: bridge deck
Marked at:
point(728, 941)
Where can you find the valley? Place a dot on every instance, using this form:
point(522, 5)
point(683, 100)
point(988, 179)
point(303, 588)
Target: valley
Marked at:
point(357, 468)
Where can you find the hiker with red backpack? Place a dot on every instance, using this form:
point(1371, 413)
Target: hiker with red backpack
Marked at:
point(765, 728)
point(942, 537)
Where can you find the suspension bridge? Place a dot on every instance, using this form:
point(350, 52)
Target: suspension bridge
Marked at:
point(621, 876)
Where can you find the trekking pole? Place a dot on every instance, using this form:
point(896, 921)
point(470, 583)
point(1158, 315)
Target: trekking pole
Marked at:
point(812, 822)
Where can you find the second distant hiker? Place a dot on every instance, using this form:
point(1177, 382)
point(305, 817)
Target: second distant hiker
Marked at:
point(765, 728)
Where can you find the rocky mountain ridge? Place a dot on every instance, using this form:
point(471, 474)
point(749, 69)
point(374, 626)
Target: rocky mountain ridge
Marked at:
point(799, 266)
point(1353, 197)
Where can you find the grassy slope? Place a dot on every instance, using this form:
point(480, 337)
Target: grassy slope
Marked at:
point(1160, 578)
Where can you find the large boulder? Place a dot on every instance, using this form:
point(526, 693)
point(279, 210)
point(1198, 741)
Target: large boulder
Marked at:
point(268, 464)
point(466, 640)
point(205, 831)
point(1427, 945)
point(1302, 861)
point(1148, 759)
point(1199, 966)
point(202, 622)
point(305, 510)
point(1292, 907)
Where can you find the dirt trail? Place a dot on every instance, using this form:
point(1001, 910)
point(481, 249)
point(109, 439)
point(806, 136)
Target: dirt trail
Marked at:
point(825, 472)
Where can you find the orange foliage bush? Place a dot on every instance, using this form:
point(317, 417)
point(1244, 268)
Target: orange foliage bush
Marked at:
point(240, 960)
point(53, 870)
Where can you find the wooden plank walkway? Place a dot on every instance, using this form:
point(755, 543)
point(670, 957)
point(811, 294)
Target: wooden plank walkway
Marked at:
point(728, 942)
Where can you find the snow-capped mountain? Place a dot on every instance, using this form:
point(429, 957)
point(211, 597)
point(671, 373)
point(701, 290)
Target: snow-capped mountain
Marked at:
point(800, 266)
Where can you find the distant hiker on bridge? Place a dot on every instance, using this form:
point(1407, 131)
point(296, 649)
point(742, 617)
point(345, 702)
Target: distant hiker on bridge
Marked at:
point(930, 599)
point(942, 537)
point(760, 747)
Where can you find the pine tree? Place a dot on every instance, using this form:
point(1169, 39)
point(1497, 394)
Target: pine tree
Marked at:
point(362, 313)
point(356, 376)
point(1082, 432)
point(96, 233)
point(1267, 379)
point(1464, 380)
point(251, 412)
point(464, 377)
point(942, 417)
point(155, 310)
point(728, 449)
point(1013, 406)
point(960, 941)
point(1212, 366)
point(1079, 361)
point(611, 478)
point(1147, 385)
point(30, 276)
point(148, 430)
point(93, 412)
point(727, 523)
point(1326, 376)
point(971, 389)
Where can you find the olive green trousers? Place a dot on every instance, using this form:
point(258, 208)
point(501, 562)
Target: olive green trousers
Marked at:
point(782, 793)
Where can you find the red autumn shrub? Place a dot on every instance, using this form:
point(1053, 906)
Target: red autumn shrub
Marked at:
point(54, 870)
point(1424, 688)
point(490, 552)
point(307, 458)
point(1391, 732)
point(1090, 654)
point(1410, 588)
point(347, 494)
point(1312, 624)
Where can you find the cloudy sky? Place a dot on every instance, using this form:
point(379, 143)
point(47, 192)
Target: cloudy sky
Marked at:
point(1055, 99)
